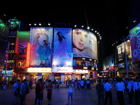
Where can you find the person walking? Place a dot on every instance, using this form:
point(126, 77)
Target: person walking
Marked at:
point(100, 92)
point(16, 91)
point(39, 92)
point(70, 94)
point(108, 93)
point(23, 92)
point(49, 91)
point(136, 91)
point(130, 87)
point(120, 88)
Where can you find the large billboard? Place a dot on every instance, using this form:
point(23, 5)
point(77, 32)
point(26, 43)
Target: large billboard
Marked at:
point(62, 51)
point(84, 44)
point(41, 46)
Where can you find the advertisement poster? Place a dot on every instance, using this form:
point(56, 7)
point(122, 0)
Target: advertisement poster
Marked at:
point(135, 43)
point(41, 46)
point(120, 51)
point(84, 44)
point(62, 51)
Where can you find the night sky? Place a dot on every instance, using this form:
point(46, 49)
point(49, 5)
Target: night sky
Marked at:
point(112, 19)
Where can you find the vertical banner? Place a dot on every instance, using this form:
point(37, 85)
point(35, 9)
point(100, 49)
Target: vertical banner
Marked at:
point(62, 51)
point(135, 43)
point(41, 46)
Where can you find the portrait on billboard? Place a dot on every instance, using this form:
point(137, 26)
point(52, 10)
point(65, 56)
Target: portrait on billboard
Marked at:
point(62, 52)
point(84, 44)
point(41, 46)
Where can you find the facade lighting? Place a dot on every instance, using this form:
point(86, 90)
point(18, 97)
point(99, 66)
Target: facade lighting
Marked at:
point(88, 27)
point(75, 25)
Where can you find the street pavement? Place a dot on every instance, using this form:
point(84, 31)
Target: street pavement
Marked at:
point(59, 97)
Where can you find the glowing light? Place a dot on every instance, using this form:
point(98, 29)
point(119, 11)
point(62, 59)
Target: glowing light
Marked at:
point(75, 25)
point(49, 24)
point(77, 71)
point(91, 29)
point(55, 62)
point(63, 69)
point(134, 21)
point(29, 24)
point(88, 27)
point(28, 55)
point(40, 24)
point(85, 68)
point(16, 48)
point(35, 24)
point(68, 63)
point(82, 26)
point(39, 70)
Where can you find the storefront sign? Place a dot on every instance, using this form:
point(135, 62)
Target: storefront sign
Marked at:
point(81, 71)
point(41, 70)
point(62, 69)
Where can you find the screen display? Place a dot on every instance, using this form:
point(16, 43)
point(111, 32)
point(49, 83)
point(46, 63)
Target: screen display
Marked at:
point(84, 44)
point(135, 43)
point(41, 46)
point(62, 51)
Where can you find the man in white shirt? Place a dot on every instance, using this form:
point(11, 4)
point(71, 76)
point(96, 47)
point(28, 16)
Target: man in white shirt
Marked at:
point(108, 93)
point(130, 86)
point(120, 87)
point(136, 91)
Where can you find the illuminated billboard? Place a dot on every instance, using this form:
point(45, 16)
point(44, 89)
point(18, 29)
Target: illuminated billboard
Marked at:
point(128, 49)
point(135, 43)
point(120, 52)
point(41, 46)
point(84, 44)
point(62, 51)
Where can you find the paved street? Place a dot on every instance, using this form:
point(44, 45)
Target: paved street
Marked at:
point(81, 97)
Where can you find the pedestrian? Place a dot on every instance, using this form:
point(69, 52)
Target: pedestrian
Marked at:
point(120, 88)
point(130, 87)
point(88, 83)
point(16, 91)
point(136, 91)
point(30, 84)
point(70, 94)
point(49, 91)
point(23, 92)
point(108, 93)
point(82, 84)
point(100, 92)
point(39, 92)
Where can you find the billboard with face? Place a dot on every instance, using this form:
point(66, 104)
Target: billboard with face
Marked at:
point(84, 44)
point(41, 46)
point(62, 52)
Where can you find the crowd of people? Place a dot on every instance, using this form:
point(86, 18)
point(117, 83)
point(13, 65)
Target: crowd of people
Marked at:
point(123, 87)
point(104, 88)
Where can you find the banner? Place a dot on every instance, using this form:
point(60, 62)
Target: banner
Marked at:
point(41, 46)
point(135, 43)
point(84, 44)
point(62, 51)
